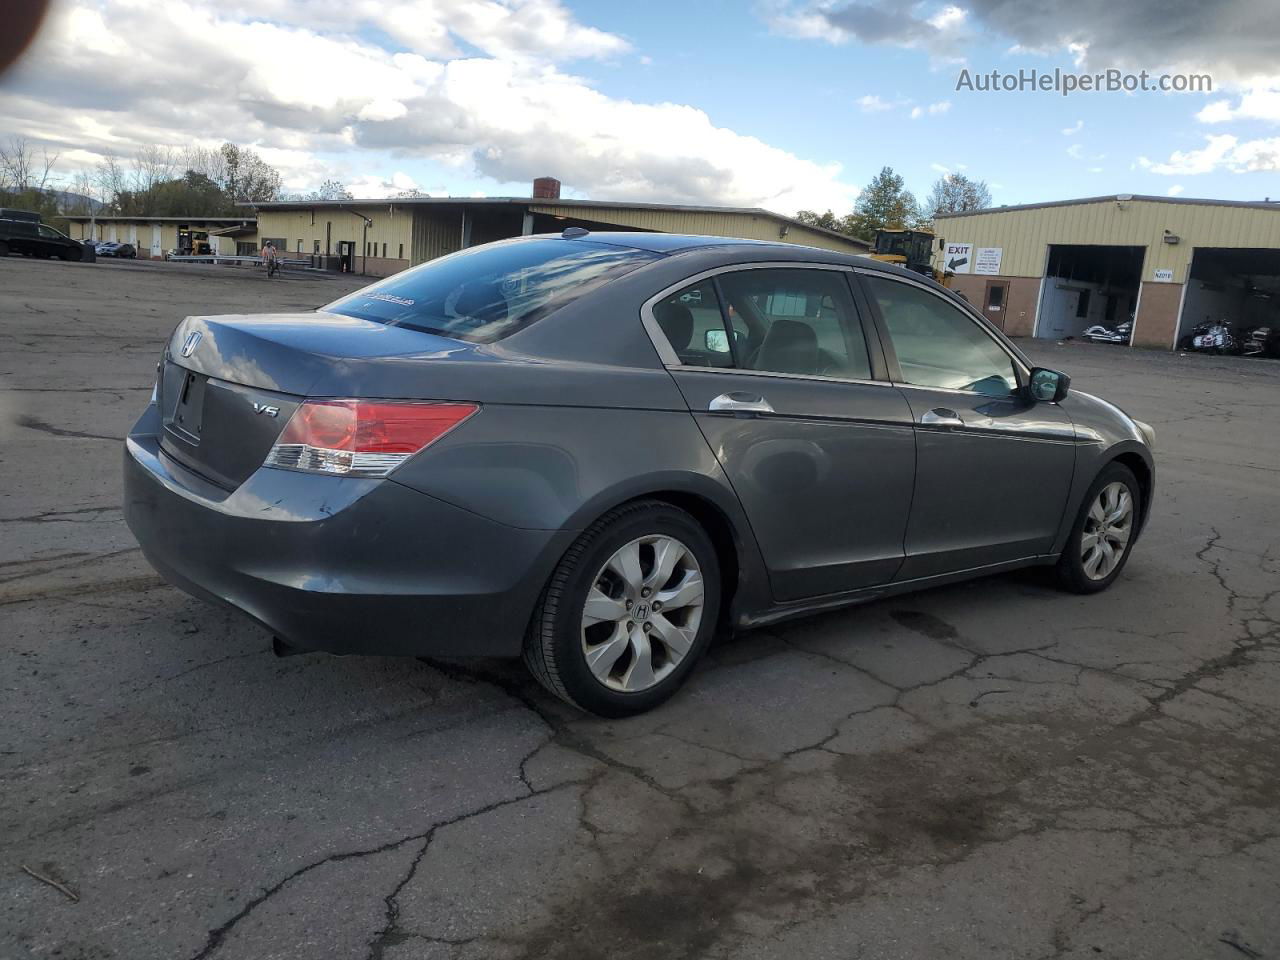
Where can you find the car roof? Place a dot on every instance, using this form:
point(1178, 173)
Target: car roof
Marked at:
point(671, 244)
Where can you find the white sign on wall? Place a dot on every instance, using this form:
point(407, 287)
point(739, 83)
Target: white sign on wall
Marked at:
point(1164, 276)
point(987, 260)
point(958, 258)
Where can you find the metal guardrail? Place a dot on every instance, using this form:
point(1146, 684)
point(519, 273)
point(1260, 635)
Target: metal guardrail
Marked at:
point(221, 258)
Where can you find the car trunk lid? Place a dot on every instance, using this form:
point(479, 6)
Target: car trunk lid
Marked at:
point(229, 384)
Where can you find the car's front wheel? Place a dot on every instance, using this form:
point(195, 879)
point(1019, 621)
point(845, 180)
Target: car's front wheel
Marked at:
point(1104, 531)
point(627, 612)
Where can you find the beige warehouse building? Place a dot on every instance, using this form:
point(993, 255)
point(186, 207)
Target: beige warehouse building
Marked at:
point(1052, 269)
point(382, 237)
point(155, 236)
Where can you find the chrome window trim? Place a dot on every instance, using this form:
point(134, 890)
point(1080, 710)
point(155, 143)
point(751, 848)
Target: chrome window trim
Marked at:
point(979, 322)
point(690, 368)
point(671, 360)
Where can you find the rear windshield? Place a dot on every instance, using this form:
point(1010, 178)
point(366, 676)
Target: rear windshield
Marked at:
point(490, 292)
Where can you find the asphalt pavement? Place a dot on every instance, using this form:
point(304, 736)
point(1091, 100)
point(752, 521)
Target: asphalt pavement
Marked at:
point(989, 770)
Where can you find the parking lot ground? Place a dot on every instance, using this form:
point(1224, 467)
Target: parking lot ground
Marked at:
point(989, 770)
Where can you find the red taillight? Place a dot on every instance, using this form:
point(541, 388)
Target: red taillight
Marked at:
point(362, 437)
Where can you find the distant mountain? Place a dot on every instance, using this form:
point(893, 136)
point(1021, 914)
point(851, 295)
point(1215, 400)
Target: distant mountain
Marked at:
point(68, 201)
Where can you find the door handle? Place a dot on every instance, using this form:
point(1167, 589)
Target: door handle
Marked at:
point(740, 403)
point(941, 417)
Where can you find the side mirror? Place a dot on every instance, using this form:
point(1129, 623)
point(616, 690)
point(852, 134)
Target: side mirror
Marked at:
point(1048, 385)
point(716, 341)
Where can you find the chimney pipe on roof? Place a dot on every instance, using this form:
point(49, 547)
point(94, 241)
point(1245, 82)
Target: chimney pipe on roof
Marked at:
point(546, 188)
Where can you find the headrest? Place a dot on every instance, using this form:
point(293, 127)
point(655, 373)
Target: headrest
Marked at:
point(789, 347)
point(676, 321)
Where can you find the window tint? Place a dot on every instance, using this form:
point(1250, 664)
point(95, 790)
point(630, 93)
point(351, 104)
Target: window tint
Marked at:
point(486, 293)
point(691, 321)
point(795, 321)
point(938, 345)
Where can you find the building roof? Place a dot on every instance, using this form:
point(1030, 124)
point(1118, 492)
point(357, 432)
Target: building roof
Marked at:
point(108, 216)
point(550, 202)
point(1114, 198)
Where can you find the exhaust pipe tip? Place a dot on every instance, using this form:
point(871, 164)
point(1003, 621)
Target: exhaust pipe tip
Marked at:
point(282, 648)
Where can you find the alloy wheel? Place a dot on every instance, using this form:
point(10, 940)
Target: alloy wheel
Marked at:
point(1106, 531)
point(642, 613)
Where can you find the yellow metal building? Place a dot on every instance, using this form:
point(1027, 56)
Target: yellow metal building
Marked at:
point(155, 236)
point(1168, 263)
point(382, 237)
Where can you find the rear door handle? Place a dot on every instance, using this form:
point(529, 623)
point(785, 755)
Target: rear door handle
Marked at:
point(740, 403)
point(941, 417)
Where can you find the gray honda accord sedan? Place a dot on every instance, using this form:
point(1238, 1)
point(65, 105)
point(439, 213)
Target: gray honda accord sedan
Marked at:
point(596, 449)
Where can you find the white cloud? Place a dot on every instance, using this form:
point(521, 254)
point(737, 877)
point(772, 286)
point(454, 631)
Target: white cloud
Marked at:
point(1072, 130)
point(932, 109)
point(948, 18)
point(1176, 189)
point(1222, 152)
point(1095, 169)
point(307, 83)
point(945, 34)
point(870, 103)
point(939, 168)
point(1076, 151)
point(1259, 103)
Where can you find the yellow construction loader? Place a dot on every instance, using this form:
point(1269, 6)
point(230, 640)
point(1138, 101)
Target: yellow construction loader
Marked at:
point(913, 249)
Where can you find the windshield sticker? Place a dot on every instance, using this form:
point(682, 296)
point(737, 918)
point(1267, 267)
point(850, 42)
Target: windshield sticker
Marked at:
point(392, 298)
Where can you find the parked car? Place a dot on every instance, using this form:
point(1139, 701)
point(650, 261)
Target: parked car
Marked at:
point(112, 248)
point(551, 447)
point(22, 234)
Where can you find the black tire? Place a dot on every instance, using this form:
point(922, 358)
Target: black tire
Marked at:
point(73, 256)
point(4, 249)
point(553, 648)
point(1071, 571)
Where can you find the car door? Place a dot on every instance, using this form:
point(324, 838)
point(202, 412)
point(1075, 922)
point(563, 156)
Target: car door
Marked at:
point(993, 467)
point(788, 386)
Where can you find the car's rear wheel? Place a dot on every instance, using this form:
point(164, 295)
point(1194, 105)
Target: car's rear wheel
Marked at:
point(627, 612)
point(4, 249)
point(1103, 535)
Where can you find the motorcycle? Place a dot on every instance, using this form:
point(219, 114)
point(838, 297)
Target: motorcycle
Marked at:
point(1100, 334)
point(1211, 337)
point(1261, 342)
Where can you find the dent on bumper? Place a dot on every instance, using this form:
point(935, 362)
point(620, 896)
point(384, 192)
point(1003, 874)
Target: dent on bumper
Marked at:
point(338, 564)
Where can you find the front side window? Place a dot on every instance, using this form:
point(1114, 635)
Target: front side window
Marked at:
point(938, 345)
point(485, 293)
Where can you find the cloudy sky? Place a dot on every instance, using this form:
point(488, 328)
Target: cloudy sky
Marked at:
point(785, 104)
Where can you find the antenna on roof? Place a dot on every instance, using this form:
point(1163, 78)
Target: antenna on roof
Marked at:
point(571, 233)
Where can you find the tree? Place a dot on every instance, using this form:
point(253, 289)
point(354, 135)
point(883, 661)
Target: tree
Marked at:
point(246, 176)
point(884, 204)
point(956, 193)
point(827, 221)
point(331, 190)
point(26, 179)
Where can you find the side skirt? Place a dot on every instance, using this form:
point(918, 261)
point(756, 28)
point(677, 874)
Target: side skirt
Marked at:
point(802, 608)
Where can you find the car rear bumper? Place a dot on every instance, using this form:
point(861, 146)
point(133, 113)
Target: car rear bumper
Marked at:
point(337, 564)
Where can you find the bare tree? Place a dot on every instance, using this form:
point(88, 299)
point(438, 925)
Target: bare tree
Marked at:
point(21, 171)
point(112, 182)
point(152, 166)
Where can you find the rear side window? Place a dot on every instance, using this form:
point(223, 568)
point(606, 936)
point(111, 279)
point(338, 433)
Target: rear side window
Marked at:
point(774, 320)
point(796, 321)
point(490, 292)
